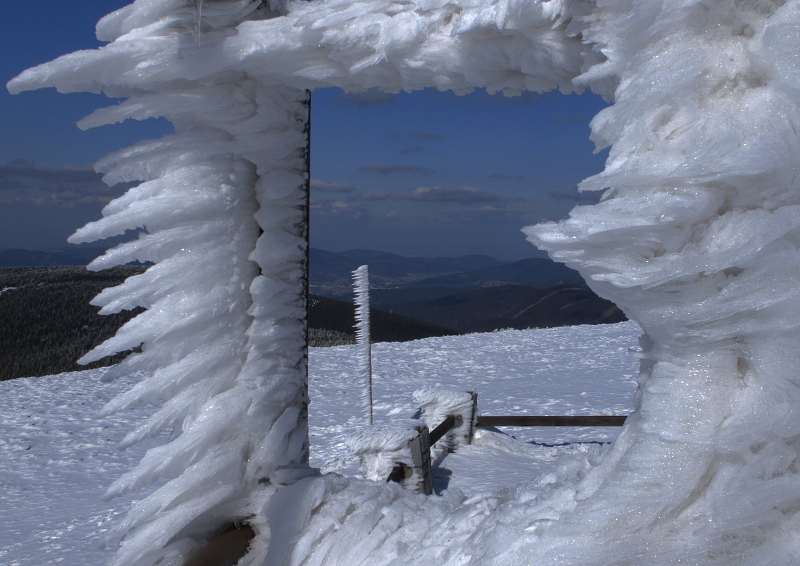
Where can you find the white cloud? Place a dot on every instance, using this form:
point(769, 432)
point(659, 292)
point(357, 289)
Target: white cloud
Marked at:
point(22, 182)
point(462, 195)
point(386, 169)
point(328, 187)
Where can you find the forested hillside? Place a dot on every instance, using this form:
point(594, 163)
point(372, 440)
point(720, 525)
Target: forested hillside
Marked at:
point(46, 321)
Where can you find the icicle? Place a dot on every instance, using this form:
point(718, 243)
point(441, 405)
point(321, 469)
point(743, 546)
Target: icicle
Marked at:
point(198, 18)
point(361, 288)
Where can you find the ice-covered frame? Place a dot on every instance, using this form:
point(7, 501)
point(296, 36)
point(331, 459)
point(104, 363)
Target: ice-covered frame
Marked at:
point(696, 239)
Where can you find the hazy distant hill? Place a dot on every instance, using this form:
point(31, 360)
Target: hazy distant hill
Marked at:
point(511, 306)
point(404, 294)
point(531, 272)
point(395, 278)
point(470, 293)
point(330, 272)
point(339, 317)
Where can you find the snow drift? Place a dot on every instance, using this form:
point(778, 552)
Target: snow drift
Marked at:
point(696, 239)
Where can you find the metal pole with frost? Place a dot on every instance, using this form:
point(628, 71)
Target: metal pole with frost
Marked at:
point(361, 288)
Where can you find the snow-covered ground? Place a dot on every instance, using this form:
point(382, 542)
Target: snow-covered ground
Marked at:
point(559, 371)
point(56, 460)
point(57, 457)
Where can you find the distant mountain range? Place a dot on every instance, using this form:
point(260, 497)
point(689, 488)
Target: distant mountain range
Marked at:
point(331, 272)
point(511, 306)
point(395, 278)
point(47, 322)
point(532, 272)
point(471, 293)
point(467, 293)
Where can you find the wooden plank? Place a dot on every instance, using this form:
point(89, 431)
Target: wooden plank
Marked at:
point(526, 420)
point(444, 427)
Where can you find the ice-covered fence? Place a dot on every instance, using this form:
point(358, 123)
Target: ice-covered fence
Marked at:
point(696, 239)
point(447, 422)
point(485, 421)
point(437, 405)
point(399, 454)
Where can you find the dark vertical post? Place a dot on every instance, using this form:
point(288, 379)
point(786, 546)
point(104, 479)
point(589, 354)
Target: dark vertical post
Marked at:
point(473, 417)
point(421, 456)
point(306, 228)
point(306, 237)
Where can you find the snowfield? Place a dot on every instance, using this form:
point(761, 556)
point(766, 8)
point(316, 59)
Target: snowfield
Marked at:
point(57, 457)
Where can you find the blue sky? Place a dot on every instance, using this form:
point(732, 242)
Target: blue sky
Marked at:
point(421, 174)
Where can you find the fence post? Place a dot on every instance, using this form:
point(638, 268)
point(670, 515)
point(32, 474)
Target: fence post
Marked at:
point(438, 404)
point(421, 456)
point(398, 454)
point(473, 421)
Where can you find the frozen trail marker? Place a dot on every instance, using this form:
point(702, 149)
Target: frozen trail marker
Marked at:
point(363, 339)
point(697, 238)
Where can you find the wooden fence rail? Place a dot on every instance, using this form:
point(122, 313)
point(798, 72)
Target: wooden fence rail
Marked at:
point(485, 421)
point(420, 476)
point(444, 427)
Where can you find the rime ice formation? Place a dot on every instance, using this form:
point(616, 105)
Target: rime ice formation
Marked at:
point(436, 404)
point(696, 239)
point(224, 328)
point(361, 287)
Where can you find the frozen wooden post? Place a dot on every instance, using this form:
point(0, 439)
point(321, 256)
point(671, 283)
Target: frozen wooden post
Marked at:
point(399, 454)
point(473, 417)
point(437, 405)
point(420, 447)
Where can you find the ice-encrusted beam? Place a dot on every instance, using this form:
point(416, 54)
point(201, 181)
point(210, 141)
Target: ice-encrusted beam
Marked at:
point(500, 45)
